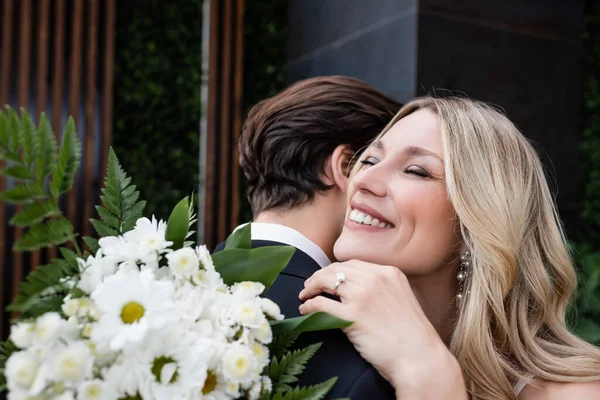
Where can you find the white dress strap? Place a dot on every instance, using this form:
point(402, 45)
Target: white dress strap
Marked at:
point(522, 383)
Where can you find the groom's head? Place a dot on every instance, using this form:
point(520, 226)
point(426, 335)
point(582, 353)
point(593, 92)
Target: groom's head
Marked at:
point(298, 145)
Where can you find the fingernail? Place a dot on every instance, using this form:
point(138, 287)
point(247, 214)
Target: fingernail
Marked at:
point(301, 294)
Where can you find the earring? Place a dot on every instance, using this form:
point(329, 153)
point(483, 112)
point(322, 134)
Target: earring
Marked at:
point(463, 273)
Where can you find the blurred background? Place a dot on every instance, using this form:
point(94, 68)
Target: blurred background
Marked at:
point(167, 84)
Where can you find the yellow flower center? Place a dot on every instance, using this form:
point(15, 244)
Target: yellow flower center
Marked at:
point(241, 363)
point(132, 312)
point(92, 391)
point(210, 383)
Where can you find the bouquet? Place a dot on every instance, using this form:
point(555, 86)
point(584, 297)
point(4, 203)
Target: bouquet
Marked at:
point(142, 312)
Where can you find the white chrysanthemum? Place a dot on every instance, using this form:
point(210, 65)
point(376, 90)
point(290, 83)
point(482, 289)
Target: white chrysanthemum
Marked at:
point(122, 251)
point(247, 289)
point(149, 235)
point(267, 384)
point(205, 258)
point(21, 370)
point(130, 305)
point(270, 308)
point(95, 390)
point(238, 363)
point(23, 334)
point(73, 363)
point(48, 327)
point(94, 270)
point(249, 314)
point(263, 333)
point(261, 353)
point(128, 377)
point(183, 262)
point(208, 279)
point(70, 306)
point(255, 390)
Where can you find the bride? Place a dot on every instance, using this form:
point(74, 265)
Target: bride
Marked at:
point(463, 291)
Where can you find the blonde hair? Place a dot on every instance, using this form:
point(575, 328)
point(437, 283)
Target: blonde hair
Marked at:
point(512, 322)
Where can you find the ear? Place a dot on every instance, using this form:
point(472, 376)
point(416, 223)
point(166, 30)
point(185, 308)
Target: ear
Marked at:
point(337, 167)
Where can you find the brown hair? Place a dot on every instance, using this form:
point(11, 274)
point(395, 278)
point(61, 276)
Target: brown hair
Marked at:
point(287, 138)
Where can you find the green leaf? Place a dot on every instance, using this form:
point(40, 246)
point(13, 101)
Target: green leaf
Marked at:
point(31, 144)
point(315, 392)
point(4, 133)
point(17, 172)
point(103, 229)
point(35, 212)
point(14, 129)
point(286, 370)
point(53, 232)
point(70, 156)
point(23, 193)
point(91, 243)
point(109, 218)
point(41, 287)
point(45, 162)
point(262, 264)
point(178, 224)
point(281, 343)
point(240, 239)
point(318, 321)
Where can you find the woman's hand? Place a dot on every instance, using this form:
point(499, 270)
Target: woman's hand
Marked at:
point(390, 329)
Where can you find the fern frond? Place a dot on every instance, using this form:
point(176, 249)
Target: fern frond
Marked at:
point(24, 193)
point(45, 162)
point(33, 213)
point(38, 293)
point(31, 141)
point(91, 243)
point(14, 129)
point(120, 206)
point(53, 232)
point(4, 133)
point(285, 370)
point(68, 162)
point(281, 343)
point(314, 392)
point(17, 172)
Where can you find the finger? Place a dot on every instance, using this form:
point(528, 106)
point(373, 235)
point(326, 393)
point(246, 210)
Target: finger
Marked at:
point(325, 282)
point(324, 304)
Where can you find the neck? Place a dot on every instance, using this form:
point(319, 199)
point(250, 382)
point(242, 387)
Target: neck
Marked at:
point(312, 221)
point(436, 295)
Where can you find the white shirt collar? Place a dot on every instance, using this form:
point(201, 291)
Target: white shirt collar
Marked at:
point(286, 235)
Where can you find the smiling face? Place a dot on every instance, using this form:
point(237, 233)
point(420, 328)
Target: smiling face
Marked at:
point(398, 212)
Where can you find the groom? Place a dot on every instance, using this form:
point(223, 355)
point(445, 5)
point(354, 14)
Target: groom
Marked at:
point(296, 151)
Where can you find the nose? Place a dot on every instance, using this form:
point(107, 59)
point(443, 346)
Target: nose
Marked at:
point(371, 180)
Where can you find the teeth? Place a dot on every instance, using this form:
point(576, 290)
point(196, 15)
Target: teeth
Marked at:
point(362, 218)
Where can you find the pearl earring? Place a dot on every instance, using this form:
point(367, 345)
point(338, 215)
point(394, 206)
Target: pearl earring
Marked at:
point(463, 273)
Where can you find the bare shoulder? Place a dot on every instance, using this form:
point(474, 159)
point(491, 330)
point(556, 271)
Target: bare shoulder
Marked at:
point(556, 391)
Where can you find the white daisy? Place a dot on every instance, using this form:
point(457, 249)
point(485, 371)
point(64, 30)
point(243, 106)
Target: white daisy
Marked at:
point(264, 333)
point(239, 364)
point(131, 304)
point(95, 389)
point(94, 270)
point(249, 314)
point(271, 309)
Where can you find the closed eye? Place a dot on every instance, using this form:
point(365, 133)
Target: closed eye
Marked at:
point(416, 170)
point(369, 161)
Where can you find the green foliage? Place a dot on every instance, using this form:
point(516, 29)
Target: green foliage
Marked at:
point(6, 349)
point(585, 311)
point(315, 392)
point(121, 207)
point(157, 108)
point(318, 321)
point(286, 369)
point(180, 221)
point(31, 157)
point(590, 216)
point(265, 44)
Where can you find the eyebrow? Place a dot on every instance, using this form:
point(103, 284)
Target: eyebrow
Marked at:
point(411, 150)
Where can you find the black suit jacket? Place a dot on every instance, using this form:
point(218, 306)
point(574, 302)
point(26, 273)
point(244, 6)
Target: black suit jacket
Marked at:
point(357, 379)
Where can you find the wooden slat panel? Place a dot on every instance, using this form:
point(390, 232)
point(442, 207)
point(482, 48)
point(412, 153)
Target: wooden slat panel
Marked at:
point(211, 123)
point(225, 126)
point(75, 91)
point(41, 85)
point(7, 12)
point(58, 78)
point(90, 106)
point(24, 57)
point(108, 84)
point(237, 113)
